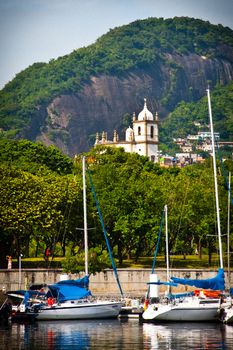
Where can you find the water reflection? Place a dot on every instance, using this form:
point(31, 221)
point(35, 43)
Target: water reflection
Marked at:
point(188, 336)
point(115, 334)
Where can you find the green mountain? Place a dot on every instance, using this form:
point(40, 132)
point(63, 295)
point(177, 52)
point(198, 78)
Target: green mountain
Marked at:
point(68, 100)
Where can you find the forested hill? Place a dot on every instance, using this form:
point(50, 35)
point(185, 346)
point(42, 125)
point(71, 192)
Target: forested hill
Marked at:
point(95, 88)
point(183, 120)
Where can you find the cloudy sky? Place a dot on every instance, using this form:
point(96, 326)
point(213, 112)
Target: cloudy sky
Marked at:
point(39, 30)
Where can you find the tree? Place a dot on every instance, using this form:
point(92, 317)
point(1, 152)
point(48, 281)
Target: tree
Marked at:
point(128, 199)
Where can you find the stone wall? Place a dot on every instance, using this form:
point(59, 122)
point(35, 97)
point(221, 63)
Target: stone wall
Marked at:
point(133, 281)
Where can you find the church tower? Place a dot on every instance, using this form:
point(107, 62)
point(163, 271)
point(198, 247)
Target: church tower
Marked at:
point(145, 129)
point(142, 138)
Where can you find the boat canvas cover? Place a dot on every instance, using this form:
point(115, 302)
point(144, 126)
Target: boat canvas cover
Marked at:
point(216, 283)
point(68, 290)
point(82, 282)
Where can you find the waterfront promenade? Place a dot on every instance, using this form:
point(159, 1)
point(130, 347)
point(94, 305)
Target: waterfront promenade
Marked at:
point(133, 281)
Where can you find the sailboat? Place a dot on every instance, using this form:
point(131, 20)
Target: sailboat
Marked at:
point(70, 299)
point(195, 307)
point(180, 307)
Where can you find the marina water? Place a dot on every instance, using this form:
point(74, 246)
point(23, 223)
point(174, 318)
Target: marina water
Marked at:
point(115, 334)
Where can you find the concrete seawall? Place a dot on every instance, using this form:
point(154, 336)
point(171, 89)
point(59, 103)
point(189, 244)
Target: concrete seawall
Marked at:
point(133, 281)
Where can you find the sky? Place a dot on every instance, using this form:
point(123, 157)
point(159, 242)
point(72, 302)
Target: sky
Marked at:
point(40, 30)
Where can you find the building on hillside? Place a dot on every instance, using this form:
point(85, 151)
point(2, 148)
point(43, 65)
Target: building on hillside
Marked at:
point(193, 137)
point(186, 148)
point(142, 138)
point(205, 146)
point(203, 135)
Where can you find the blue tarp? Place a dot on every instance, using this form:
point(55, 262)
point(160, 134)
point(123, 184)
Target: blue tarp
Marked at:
point(82, 282)
point(216, 283)
point(62, 291)
point(69, 290)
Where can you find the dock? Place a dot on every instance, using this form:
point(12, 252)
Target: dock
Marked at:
point(131, 312)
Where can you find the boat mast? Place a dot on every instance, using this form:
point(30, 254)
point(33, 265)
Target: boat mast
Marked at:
point(167, 246)
point(215, 179)
point(228, 229)
point(85, 215)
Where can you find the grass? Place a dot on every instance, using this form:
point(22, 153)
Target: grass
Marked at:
point(176, 261)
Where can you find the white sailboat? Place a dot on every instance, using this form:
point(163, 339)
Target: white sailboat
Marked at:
point(192, 308)
point(80, 310)
point(72, 301)
point(183, 307)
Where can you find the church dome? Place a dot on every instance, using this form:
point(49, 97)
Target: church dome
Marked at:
point(145, 114)
point(129, 134)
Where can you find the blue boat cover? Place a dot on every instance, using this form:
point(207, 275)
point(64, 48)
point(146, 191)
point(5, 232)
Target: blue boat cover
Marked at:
point(82, 282)
point(69, 290)
point(216, 283)
point(62, 291)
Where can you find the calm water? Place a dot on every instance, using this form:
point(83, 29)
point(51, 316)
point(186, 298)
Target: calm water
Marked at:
point(115, 334)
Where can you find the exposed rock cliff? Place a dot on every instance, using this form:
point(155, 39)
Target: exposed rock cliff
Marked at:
point(100, 105)
point(68, 100)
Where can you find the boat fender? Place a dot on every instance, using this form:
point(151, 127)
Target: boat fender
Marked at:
point(50, 301)
point(146, 303)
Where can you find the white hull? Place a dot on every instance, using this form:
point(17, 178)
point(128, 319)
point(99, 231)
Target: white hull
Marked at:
point(80, 310)
point(191, 310)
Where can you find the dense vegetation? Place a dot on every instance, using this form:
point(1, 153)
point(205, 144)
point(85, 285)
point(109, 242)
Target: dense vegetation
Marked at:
point(34, 157)
point(139, 44)
point(180, 122)
point(41, 204)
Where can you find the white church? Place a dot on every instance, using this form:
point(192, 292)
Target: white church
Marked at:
point(142, 138)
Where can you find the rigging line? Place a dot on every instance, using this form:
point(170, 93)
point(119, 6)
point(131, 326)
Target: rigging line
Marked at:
point(215, 235)
point(156, 249)
point(68, 217)
point(60, 228)
point(69, 212)
point(182, 207)
point(105, 233)
point(226, 178)
point(157, 245)
point(224, 172)
point(181, 215)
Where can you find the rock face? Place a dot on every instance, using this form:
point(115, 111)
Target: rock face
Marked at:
point(71, 121)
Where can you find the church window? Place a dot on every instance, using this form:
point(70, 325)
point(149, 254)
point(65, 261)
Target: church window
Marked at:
point(152, 132)
point(139, 130)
